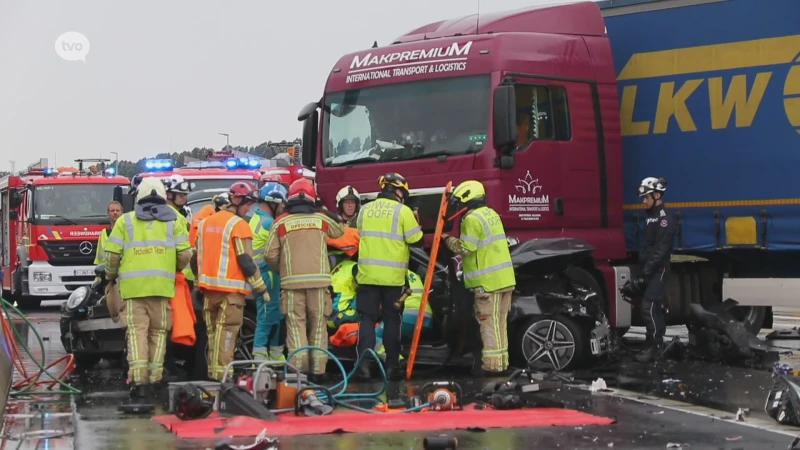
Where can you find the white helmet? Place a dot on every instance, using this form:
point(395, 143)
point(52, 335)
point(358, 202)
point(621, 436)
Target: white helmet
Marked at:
point(347, 193)
point(151, 186)
point(178, 185)
point(652, 184)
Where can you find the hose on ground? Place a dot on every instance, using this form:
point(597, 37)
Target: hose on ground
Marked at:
point(346, 399)
point(14, 341)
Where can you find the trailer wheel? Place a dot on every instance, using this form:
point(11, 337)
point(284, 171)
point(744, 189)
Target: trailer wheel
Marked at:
point(551, 342)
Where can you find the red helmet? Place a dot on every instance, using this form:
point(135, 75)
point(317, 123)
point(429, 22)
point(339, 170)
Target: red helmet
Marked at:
point(303, 188)
point(243, 189)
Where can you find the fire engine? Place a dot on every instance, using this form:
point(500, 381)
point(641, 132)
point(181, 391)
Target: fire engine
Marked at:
point(50, 224)
point(223, 168)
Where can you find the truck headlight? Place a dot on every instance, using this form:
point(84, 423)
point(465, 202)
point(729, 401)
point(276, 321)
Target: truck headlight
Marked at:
point(78, 298)
point(42, 277)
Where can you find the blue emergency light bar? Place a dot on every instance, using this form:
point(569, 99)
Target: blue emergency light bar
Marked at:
point(243, 163)
point(49, 171)
point(158, 164)
point(111, 171)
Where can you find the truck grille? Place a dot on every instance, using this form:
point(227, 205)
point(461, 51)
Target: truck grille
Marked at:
point(68, 253)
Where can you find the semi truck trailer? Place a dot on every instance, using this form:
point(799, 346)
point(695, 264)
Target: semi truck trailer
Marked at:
point(562, 110)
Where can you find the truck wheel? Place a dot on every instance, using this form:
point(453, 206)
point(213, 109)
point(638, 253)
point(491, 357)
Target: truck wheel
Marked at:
point(551, 342)
point(752, 317)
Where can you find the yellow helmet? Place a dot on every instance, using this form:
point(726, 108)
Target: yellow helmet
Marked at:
point(468, 191)
point(393, 179)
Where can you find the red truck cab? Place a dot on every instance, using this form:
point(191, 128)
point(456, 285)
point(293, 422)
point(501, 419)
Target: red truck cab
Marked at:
point(524, 101)
point(50, 225)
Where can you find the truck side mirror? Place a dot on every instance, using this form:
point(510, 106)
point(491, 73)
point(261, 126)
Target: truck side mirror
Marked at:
point(310, 127)
point(15, 200)
point(504, 118)
point(118, 194)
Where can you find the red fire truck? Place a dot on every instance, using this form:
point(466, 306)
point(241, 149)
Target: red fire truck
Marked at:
point(223, 168)
point(50, 223)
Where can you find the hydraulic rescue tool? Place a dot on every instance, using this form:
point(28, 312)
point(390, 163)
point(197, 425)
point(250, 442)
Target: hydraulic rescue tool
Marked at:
point(275, 390)
point(518, 391)
point(443, 395)
point(310, 403)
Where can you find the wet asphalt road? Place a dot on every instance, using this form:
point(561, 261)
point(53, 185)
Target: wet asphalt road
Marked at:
point(652, 405)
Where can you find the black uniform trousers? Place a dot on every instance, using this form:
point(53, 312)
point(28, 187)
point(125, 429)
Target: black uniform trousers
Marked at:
point(374, 303)
point(652, 306)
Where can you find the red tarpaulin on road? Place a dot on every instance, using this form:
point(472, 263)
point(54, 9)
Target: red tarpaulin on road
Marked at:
point(343, 420)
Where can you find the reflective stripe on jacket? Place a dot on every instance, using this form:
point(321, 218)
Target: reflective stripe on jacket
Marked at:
point(385, 228)
point(217, 263)
point(486, 259)
point(298, 249)
point(149, 255)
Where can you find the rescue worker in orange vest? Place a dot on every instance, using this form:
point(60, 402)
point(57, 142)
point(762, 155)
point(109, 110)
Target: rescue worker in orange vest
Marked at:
point(217, 202)
point(297, 249)
point(227, 272)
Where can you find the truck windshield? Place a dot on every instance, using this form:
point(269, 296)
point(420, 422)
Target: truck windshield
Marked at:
point(72, 203)
point(406, 121)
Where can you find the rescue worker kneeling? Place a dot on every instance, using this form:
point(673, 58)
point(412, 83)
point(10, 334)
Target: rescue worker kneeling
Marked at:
point(343, 325)
point(268, 341)
point(297, 248)
point(144, 251)
point(226, 274)
point(487, 270)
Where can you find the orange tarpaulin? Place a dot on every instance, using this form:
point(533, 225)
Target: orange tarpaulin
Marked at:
point(183, 318)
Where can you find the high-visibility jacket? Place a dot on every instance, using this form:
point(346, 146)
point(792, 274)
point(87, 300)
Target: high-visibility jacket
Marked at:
point(217, 264)
point(344, 300)
point(260, 224)
point(385, 228)
point(411, 305)
point(204, 212)
point(181, 221)
point(149, 250)
point(100, 256)
point(487, 262)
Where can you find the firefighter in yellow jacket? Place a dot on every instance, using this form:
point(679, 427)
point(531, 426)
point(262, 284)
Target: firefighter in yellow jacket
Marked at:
point(144, 251)
point(297, 249)
point(487, 270)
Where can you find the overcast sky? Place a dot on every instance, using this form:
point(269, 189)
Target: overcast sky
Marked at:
point(169, 75)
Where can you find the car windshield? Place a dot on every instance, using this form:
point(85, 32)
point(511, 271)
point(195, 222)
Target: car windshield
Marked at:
point(77, 203)
point(406, 120)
